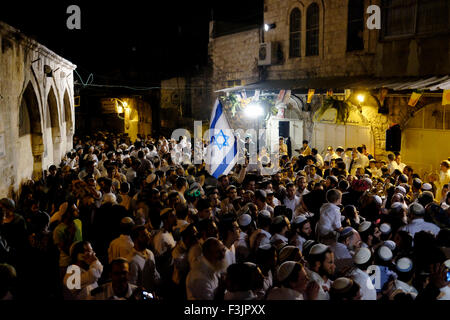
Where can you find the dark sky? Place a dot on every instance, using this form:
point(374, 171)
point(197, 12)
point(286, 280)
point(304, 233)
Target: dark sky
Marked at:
point(128, 42)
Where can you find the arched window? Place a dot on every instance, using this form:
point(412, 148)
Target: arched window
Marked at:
point(295, 33)
point(312, 30)
point(355, 27)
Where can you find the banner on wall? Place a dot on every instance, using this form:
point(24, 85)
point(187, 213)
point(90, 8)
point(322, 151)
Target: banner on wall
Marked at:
point(287, 96)
point(310, 95)
point(415, 97)
point(446, 97)
point(382, 95)
point(280, 96)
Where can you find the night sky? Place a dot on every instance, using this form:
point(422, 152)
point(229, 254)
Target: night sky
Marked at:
point(129, 42)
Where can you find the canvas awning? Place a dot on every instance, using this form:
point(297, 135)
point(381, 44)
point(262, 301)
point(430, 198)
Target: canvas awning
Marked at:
point(342, 83)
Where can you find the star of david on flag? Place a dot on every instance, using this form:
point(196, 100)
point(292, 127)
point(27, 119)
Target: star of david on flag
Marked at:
point(222, 152)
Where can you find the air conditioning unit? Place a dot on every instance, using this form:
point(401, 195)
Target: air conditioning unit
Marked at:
point(267, 53)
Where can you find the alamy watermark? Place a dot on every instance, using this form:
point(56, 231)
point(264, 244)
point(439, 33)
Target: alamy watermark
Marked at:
point(74, 20)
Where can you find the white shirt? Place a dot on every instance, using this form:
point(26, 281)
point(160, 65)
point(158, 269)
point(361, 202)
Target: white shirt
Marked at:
point(398, 284)
point(367, 289)
point(316, 178)
point(230, 255)
point(107, 293)
point(180, 261)
point(202, 281)
point(330, 218)
point(162, 242)
point(264, 240)
point(120, 247)
point(143, 271)
point(88, 282)
point(284, 294)
point(298, 241)
point(319, 160)
point(292, 204)
point(418, 225)
point(324, 287)
point(277, 237)
point(131, 174)
point(392, 166)
point(445, 293)
point(329, 156)
point(342, 256)
point(301, 194)
point(364, 160)
point(240, 295)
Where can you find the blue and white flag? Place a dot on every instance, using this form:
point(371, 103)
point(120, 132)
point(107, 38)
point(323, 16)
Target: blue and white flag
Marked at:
point(222, 150)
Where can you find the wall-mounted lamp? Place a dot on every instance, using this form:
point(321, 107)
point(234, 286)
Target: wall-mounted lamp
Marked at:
point(270, 26)
point(48, 71)
point(360, 98)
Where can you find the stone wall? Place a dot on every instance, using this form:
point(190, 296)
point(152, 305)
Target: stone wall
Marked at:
point(36, 108)
point(234, 57)
point(333, 59)
point(185, 100)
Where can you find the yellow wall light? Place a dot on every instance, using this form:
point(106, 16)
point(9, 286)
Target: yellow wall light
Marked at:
point(360, 98)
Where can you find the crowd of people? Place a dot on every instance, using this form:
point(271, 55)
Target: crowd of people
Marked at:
point(123, 220)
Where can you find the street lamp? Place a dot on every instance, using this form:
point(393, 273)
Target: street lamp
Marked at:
point(268, 26)
point(253, 110)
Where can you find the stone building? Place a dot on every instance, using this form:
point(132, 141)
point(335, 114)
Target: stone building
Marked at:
point(185, 99)
point(36, 109)
point(326, 45)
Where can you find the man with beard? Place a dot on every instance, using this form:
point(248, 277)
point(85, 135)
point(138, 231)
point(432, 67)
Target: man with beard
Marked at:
point(141, 260)
point(202, 282)
point(321, 268)
point(83, 257)
point(189, 237)
point(344, 248)
point(363, 259)
point(119, 288)
point(301, 185)
point(163, 243)
point(292, 201)
point(302, 228)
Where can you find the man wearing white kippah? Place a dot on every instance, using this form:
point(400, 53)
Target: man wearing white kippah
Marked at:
point(203, 280)
point(362, 259)
point(295, 284)
point(417, 222)
point(321, 268)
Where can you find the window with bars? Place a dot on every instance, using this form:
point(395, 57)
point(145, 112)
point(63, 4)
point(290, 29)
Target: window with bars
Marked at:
point(355, 28)
point(312, 30)
point(295, 33)
point(414, 17)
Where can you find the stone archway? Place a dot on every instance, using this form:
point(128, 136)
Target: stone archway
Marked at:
point(52, 121)
point(31, 144)
point(68, 115)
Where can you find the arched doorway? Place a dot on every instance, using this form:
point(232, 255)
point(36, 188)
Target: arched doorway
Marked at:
point(31, 145)
point(68, 115)
point(52, 123)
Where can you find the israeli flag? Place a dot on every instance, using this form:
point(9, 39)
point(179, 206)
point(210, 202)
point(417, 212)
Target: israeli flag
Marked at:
point(222, 150)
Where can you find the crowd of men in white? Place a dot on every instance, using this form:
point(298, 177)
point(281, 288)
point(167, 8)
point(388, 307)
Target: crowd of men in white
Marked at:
point(344, 226)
